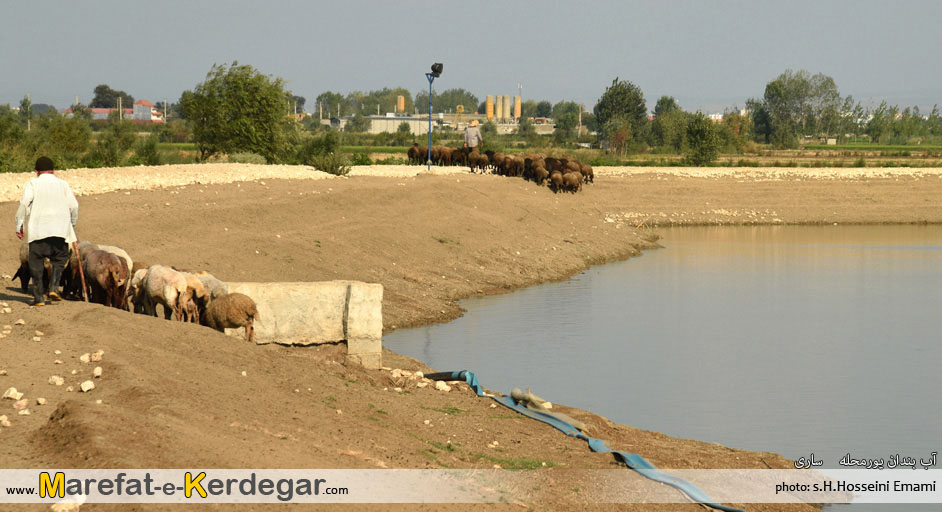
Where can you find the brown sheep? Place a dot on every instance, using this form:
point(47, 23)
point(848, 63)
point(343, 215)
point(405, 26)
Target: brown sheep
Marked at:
point(556, 181)
point(539, 174)
point(415, 156)
point(478, 161)
point(587, 173)
point(572, 181)
point(232, 311)
point(107, 276)
point(195, 295)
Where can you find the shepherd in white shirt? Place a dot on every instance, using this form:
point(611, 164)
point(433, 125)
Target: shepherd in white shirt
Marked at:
point(49, 211)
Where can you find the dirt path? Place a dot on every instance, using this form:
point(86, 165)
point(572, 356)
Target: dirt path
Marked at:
point(173, 395)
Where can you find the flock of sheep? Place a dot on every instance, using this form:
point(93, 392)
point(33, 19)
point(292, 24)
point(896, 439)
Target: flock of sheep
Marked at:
point(112, 278)
point(559, 174)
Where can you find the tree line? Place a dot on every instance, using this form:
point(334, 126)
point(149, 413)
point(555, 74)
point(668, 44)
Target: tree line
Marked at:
point(237, 110)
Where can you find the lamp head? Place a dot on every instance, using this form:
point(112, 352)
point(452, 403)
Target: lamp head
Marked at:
point(437, 69)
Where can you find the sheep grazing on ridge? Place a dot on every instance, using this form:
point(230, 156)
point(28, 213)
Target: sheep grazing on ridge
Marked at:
point(135, 293)
point(194, 297)
point(167, 287)
point(232, 311)
point(25, 275)
point(107, 276)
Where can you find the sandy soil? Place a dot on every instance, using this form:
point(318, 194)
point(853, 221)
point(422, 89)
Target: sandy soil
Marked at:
point(173, 395)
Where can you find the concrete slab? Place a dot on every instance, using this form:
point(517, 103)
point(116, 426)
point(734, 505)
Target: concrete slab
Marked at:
point(299, 313)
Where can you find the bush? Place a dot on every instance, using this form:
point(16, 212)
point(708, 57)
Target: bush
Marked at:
point(145, 151)
point(246, 157)
point(331, 163)
point(361, 158)
point(318, 145)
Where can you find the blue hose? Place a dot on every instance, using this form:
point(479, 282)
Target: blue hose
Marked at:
point(632, 460)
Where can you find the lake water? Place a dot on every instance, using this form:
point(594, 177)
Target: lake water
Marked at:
point(789, 339)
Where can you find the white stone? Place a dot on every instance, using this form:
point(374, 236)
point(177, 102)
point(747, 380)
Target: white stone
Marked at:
point(3, 372)
point(20, 322)
point(97, 355)
point(418, 375)
point(421, 384)
point(58, 361)
point(69, 389)
point(74, 372)
point(57, 352)
point(37, 338)
point(24, 412)
point(244, 374)
point(39, 333)
point(56, 380)
point(12, 394)
point(40, 401)
point(19, 405)
point(442, 386)
point(86, 357)
point(4, 422)
point(87, 386)
point(97, 372)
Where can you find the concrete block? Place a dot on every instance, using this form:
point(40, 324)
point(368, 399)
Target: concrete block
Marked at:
point(319, 312)
point(363, 324)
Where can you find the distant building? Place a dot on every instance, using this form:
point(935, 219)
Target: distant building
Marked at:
point(145, 111)
point(716, 118)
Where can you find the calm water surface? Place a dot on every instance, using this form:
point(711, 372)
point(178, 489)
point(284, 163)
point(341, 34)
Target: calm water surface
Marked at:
point(785, 339)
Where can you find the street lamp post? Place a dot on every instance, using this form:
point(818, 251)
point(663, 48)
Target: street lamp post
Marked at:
point(436, 72)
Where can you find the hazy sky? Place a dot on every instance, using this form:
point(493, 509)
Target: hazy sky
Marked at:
point(707, 54)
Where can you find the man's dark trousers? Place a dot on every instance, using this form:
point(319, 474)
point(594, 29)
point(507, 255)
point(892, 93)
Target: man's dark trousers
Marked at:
point(54, 248)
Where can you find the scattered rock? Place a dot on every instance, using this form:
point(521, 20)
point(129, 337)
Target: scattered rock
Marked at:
point(7, 327)
point(74, 372)
point(24, 412)
point(97, 372)
point(69, 389)
point(97, 355)
point(4, 422)
point(40, 401)
point(493, 406)
point(58, 361)
point(57, 352)
point(244, 374)
point(98, 401)
point(19, 405)
point(7, 310)
point(442, 386)
point(86, 357)
point(418, 375)
point(37, 338)
point(427, 422)
point(421, 384)
point(339, 411)
point(3, 372)
point(87, 386)
point(20, 322)
point(65, 506)
point(56, 380)
point(39, 333)
point(397, 390)
point(406, 373)
point(12, 394)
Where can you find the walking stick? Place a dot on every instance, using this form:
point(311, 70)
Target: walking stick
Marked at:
point(78, 257)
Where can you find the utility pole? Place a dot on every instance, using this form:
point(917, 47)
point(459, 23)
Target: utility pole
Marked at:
point(29, 115)
point(120, 110)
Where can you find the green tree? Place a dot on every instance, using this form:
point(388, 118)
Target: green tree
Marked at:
point(565, 126)
point(625, 100)
point(528, 109)
point(333, 104)
point(26, 111)
point(237, 109)
point(106, 97)
point(702, 140)
point(799, 103)
point(357, 123)
point(446, 101)
point(670, 129)
point(565, 107)
point(525, 127)
point(544, 109)
point(761, 120)
point(665, 105)
point(616, 133)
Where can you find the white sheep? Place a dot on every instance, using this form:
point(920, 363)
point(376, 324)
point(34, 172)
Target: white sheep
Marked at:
point(167, 287)
point(136, 291)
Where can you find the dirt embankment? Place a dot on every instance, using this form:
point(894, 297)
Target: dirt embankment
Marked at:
point(174, 395)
